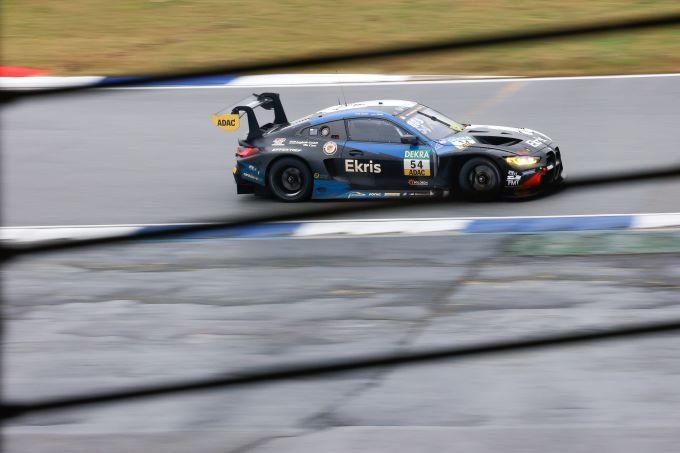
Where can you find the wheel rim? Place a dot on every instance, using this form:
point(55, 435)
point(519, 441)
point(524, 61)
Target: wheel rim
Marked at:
point(483, 178)
point(292, 181)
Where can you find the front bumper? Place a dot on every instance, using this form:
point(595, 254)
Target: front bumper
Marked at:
point(549, 172)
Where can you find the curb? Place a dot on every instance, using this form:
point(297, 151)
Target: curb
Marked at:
point(362, 227)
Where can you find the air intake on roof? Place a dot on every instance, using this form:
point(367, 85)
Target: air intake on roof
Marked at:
point(497, 141)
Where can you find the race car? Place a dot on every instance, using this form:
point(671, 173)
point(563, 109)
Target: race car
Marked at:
point(385, 149)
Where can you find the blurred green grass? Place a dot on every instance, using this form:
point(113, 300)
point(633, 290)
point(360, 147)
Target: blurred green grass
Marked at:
point(150, 36)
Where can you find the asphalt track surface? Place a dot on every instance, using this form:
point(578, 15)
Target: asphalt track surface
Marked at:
point(153, 156)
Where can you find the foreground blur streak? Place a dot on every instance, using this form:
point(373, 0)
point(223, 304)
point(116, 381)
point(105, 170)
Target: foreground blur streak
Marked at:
point(361, 296)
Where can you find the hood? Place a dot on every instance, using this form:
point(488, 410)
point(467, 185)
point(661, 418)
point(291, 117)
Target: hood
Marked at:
point(512, 139)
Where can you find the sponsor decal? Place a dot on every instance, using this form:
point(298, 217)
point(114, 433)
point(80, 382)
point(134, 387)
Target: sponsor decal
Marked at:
point(329, 148)
point(417, 154)
point(304, 143)
point(536, 142)
point(286, 150)
point(513, 178)
point(357, 166)
point(462, 142)
point(316, 176)
point(227, 122)
point(417, 162)
point(279, 141)
point(251, 177)
point(249, 172)
point(325, 131)
point(419, 124)
point(428, 193)
point(356, 194)
point(313, 131)
point(417, 182)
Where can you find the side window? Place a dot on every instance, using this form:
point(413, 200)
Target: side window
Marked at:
point(374, 130)
point(333, 130)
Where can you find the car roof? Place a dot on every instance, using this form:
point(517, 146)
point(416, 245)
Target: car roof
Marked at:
point(380, 108)
point(386, 105)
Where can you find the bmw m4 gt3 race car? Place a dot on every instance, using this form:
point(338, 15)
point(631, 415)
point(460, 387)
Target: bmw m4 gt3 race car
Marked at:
point(385, 149)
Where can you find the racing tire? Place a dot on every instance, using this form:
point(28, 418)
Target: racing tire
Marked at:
point(289, 179)
point(480, 179)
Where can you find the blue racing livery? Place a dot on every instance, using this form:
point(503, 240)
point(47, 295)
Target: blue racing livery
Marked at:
point(388, 149)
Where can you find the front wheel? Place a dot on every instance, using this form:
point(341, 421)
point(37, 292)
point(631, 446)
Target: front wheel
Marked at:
point(289, 179)
point(479, 178)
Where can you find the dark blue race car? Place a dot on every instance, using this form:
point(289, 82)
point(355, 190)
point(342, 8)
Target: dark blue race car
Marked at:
point(386, 149)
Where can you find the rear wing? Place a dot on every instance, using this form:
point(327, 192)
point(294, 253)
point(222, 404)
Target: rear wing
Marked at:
point(268, 101)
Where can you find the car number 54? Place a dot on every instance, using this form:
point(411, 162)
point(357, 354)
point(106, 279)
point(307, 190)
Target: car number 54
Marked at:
point(417, 167)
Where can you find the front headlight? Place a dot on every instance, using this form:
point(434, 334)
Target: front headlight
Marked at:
point(522, 161)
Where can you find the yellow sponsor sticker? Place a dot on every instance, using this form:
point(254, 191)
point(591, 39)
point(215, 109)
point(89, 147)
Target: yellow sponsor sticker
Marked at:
point(416, 172)
point(228, 122)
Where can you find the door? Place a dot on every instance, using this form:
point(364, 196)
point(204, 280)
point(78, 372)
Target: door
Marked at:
point(375, 158)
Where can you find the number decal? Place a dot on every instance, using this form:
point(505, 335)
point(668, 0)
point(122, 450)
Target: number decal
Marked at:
point(417, 162)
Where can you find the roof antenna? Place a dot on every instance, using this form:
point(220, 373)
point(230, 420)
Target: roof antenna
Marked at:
point(342, 91)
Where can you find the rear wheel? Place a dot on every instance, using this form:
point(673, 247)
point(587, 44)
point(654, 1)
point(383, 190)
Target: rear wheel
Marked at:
point(289, 179)
point(479, 178)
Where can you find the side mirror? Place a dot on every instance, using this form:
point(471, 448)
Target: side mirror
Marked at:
point(409, 139)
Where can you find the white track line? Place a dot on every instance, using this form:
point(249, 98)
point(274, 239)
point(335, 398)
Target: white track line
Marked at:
point(407, 82)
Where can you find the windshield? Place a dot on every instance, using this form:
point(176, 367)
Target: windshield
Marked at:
point(432, 124)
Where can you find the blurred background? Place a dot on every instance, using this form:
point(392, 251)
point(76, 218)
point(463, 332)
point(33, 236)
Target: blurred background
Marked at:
point(162, 311)
point(129, 37)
